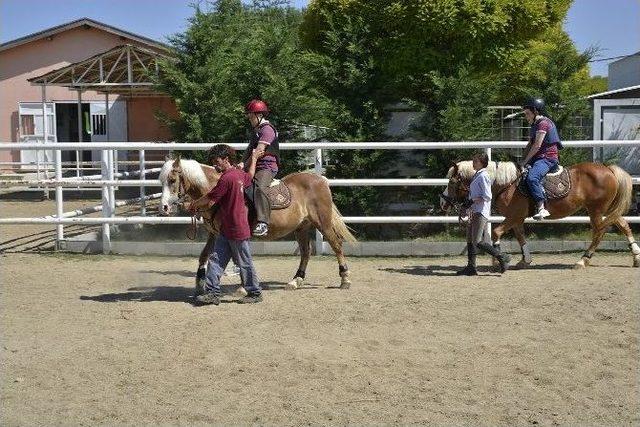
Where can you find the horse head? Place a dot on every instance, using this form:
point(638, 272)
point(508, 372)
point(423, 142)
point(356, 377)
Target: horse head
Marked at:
point(457, 188)
point(172, 181)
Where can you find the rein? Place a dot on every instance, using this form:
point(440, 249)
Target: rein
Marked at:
point(192, 230)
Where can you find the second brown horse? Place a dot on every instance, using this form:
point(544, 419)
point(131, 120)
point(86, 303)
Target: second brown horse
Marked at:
point(604, 191)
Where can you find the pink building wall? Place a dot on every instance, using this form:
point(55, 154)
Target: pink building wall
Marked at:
point(41, 56)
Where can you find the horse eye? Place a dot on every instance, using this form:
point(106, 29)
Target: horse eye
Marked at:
point(171, 181)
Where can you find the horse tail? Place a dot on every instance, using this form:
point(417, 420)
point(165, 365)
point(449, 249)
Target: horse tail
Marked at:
point(339, 227)
point(622, 201)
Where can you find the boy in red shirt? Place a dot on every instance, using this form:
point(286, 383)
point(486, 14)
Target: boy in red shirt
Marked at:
point(233, 240)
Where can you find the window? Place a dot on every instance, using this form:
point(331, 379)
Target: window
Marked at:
point(98, 124)
point(31, 123)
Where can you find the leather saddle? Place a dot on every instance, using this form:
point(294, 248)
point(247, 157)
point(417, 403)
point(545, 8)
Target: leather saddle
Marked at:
point(556, 184)
point(278, 194)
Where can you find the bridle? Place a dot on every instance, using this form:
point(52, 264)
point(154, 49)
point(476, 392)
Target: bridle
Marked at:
point(455, 203)
point(192, 230)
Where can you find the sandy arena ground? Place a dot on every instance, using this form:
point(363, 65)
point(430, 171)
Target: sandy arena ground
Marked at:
point(115, 340)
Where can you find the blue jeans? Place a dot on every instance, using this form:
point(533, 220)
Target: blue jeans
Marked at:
point(223, 251)
point(539, 168)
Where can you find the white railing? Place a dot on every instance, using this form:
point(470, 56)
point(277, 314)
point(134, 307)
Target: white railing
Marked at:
point(107, 180)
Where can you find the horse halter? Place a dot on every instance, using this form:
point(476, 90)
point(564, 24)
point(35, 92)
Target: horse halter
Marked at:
point(182, 193)
point(453, 201)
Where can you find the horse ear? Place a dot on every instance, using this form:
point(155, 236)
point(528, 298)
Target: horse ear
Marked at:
point(176, 161)
point(454, 165)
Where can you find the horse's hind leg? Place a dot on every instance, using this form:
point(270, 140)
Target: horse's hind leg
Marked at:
point(623, 226)
point(597, 231)
point(302, 236)
point(326, 228)
point(336, 245)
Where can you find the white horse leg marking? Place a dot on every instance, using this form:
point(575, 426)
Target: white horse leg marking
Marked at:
point(635, 250)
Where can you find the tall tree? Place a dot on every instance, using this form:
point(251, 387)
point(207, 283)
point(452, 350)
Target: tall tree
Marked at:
point(232, 53)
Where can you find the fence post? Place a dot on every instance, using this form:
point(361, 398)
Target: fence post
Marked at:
point(58, 168)
point(488, 229)
point(106, 203)
point(143, 176)
point(318, 170)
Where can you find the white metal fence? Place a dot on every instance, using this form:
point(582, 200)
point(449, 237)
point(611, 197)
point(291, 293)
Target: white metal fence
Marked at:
point(107, 180)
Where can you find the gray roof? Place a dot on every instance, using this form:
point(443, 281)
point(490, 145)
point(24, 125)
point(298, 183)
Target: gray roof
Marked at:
point(623, 92)
point(79, 23)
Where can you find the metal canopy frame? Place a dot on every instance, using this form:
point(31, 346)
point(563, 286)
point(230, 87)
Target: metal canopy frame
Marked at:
point(125, 70)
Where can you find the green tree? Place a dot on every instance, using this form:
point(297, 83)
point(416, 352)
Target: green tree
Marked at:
point(232, 53)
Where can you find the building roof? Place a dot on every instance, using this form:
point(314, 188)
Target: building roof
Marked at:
point(124, 70)
point(624, 92)
point(83, 22)
point(625, 57)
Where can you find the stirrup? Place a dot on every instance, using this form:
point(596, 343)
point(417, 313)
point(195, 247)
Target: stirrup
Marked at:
point(260, 230)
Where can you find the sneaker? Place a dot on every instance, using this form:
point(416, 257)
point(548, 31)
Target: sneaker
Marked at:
point(208, 298)
point(504, 261)
point(542, 213)
point(261, 229)
point(250, 299)
point(467, 271)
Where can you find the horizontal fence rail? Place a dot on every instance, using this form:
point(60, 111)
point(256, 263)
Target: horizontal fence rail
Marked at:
point(107, 180)
point(67, 146)
point(400, 182)
point(347, 219)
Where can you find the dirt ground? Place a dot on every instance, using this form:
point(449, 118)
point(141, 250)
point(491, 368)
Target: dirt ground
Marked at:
point(115, 340)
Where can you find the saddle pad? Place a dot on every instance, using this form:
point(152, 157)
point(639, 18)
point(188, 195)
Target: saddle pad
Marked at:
point(557, 172)
point(279, 196)
point(556, 185)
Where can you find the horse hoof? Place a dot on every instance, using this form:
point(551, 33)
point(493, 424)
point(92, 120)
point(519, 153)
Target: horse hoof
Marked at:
point(580, 264)
point(346, 284)
point(636, 261)
point(521, 265)
point(240, 292)
point(294, 284)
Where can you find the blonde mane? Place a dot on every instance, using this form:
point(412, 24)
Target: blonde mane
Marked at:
point(191, 170)
point(501, 172)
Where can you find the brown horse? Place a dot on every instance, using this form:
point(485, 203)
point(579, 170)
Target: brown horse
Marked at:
point(311, 207)
point(604, 191)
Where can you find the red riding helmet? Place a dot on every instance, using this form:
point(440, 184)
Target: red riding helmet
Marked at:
point(256, 106)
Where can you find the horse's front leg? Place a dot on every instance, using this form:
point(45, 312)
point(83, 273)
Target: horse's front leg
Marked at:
point(518, 230)
point(496, 235)
point(202, 263)
point(302, 236)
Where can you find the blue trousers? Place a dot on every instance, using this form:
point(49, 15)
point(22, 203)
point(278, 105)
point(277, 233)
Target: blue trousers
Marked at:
point(223, 251)
point(539, 168)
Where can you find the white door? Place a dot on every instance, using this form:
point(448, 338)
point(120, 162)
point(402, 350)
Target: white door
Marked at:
point(32, 130)
point(97, 124)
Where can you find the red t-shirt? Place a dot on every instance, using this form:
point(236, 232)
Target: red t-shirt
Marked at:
point(228, 194)
point(549, 149)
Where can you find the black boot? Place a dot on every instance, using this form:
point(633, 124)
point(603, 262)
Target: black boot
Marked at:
point(470, 269)
point(503, 259)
